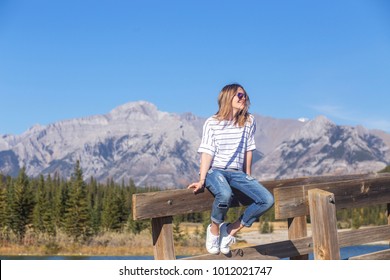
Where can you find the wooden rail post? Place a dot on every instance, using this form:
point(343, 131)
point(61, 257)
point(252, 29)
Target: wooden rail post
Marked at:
point(324, 225)
point(297, 228)
point(162, 233)
point(388, 213)
point(388, 216)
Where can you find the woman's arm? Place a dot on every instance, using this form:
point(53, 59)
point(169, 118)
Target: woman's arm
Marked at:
point(248, 162)
point(205, 164)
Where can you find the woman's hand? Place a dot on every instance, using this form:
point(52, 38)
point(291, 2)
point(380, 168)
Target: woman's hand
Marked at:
point(205, 162)
point(197, 186)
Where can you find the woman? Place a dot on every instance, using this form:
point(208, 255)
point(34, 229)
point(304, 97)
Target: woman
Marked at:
point(226, 160)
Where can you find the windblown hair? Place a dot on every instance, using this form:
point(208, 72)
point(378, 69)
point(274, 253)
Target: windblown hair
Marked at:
point(225, 99)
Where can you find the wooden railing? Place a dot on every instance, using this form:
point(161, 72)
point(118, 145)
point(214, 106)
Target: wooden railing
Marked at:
point(295, 199)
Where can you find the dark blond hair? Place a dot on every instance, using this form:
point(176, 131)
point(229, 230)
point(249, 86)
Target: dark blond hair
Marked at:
point(225, 110)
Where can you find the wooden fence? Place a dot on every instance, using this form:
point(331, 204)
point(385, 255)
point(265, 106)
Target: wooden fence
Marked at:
point(295, 199)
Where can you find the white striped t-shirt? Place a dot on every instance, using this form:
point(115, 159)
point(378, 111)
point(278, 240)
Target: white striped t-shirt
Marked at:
point(227, 143)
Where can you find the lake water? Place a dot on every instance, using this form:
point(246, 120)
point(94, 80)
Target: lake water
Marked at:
point(345, 253)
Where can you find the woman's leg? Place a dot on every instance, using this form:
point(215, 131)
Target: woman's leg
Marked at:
point(263, 200)
point(217, 184)
point(234, 227)
point(219, 187)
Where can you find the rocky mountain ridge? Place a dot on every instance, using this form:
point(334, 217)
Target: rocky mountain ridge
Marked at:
point(138, 141)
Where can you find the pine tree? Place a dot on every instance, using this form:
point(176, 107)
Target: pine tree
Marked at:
point(95, 204)
point(39, 209)
point(60, 200)
point(77, 216)
point(96, 219)
point(50, 197)
point(9, 198)
point(43, 212)
point(22, 205)
point(136, 227)
point(3, 209)
point(113, 214)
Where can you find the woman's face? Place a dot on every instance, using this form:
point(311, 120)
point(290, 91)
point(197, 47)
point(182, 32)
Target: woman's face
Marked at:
point(239, 99)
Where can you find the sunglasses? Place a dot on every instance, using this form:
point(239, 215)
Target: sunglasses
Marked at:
point(241, 95)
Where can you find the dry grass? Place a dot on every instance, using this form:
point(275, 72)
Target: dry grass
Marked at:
point(124, 244)
point(105, 244)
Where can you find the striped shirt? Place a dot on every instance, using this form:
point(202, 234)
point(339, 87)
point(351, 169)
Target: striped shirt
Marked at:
point(227, 143)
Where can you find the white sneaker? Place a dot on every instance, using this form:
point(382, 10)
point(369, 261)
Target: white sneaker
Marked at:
point(226, 240)
point(212, 242)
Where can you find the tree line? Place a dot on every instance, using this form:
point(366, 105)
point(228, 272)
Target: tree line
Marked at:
point(81, 210)
point(75, 207)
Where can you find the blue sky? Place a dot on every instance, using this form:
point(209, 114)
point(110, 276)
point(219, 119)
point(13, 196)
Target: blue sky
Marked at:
point(67, 59)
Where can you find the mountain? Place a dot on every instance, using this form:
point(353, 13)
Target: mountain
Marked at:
point(322, 148)
point(156, 148)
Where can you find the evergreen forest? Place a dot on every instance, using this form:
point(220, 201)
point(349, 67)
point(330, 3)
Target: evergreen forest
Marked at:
point(82, 209)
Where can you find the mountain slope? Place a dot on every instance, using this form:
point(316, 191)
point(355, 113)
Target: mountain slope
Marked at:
point(320, 147)
point(156, 148)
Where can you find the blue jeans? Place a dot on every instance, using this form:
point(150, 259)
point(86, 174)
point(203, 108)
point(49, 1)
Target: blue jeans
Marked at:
point(221, 182)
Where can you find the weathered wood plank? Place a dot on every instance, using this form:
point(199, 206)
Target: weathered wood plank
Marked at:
point(323, 225)
point(183, 201)
point(162, 234)
point(363, 235)
point(169, 203)
point(272, 184)
point(380, 255)
point(293, 202)
point(271, 251)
